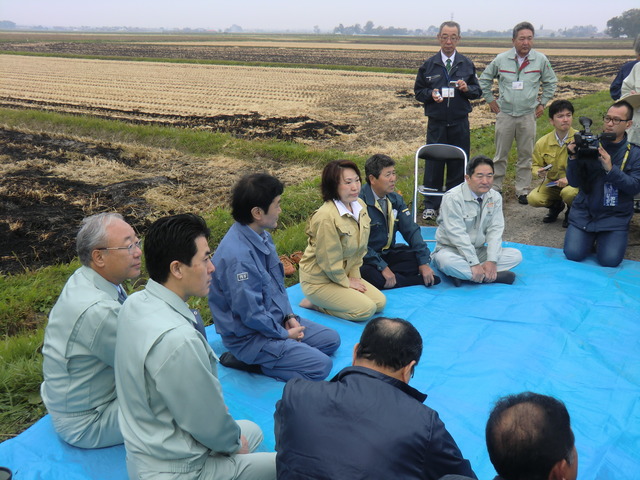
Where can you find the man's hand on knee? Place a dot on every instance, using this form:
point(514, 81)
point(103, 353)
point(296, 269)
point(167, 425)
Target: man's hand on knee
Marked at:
point(389, 278)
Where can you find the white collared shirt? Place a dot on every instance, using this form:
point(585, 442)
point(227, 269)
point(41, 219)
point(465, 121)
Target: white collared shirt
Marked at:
point(444, 57)
point(342, 209)
point(563, 140)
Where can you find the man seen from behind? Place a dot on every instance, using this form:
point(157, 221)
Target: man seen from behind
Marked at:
point(529, 437)
point(367, 422)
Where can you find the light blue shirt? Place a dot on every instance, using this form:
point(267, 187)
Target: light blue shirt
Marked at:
point(172, 414)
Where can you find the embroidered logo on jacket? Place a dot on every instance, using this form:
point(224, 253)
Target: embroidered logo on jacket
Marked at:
point(242, 276)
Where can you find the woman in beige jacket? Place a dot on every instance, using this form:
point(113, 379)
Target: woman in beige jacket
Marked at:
point(338, 234)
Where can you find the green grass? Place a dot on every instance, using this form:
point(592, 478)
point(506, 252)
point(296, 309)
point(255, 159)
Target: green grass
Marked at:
point(20, 378)
point(26, 298)
point(192, 142)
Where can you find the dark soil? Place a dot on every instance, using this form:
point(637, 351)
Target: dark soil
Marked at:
point(40, 212)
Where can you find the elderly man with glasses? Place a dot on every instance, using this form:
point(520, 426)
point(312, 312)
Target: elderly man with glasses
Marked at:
point(445, 84)
point(79, 388)
point(608, 178)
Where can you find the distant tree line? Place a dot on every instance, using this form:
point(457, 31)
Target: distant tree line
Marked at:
point(627, 24)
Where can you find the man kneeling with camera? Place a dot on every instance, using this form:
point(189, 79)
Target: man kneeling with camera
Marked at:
point(606, 169)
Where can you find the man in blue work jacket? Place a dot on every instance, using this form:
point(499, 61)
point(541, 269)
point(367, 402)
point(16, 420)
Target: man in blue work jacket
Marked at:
point(387, 264)
point(248, 300)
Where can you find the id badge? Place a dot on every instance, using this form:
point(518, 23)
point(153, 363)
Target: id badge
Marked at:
point(610, 195)
point(517, 85)
point(448, 92)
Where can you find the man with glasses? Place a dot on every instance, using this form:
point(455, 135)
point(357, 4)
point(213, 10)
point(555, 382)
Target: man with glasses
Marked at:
point(445, 84)
point(470, 226)
point(521, 72)
point(608, 179)
point(79, 388)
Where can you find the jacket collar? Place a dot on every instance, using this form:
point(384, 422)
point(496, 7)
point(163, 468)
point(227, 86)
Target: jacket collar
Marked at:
point(170, 298)
point(531, 55)
point(100, 282)
point(409, 390)
point(367, 195)
point(254, 238)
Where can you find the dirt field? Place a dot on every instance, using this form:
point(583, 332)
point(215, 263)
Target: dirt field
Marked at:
point(48, 183)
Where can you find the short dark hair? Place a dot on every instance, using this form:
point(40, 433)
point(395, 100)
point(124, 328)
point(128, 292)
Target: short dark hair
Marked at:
point(331, 177)
point(523, 26)
point(558, 106)
point(449, 23)
point(255, 190)
point(527, 434)
point(627, 105)
point(376, 163)
point(390, 342)
point(172, 238)
point(478, 160)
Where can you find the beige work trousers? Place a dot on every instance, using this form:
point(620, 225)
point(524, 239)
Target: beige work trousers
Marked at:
point(523, 130)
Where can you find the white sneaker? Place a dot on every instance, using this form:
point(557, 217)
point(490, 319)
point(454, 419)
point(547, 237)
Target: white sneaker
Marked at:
point(429, 214)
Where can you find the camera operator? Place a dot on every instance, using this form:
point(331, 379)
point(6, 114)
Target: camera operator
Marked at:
point(608, 176)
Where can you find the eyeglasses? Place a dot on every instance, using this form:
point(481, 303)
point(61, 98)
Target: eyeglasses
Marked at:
point(615, 121)
point(129, 248)
point(446, 38)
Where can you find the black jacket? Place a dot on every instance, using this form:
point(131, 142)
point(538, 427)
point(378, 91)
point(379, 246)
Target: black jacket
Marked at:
point(361, 425)
point(433, 74)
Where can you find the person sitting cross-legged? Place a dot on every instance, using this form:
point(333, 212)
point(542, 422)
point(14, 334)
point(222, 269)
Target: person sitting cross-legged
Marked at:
point(388, 264)
point(470, 226)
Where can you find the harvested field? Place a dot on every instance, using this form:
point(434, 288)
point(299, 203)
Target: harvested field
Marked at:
point(359, 112)
point(600, 63)
point(49, 182)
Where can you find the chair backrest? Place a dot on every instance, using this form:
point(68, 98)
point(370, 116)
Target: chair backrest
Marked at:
point(434, 152)
point(441, 151)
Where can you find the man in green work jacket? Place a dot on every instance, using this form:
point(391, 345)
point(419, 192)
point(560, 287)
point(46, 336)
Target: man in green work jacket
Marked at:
point(521, 72)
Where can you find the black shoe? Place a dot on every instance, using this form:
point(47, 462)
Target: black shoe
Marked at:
point(522, 199)
point(507, 277)
point(554, 211)
point(456, 281)
point(228, 360)
point(565, 222)
point(636, 206)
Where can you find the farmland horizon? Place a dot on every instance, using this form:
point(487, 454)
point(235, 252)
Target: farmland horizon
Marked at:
point(288, 16)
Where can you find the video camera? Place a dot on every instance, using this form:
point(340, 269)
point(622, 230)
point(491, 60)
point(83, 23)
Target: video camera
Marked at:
point(587, 143)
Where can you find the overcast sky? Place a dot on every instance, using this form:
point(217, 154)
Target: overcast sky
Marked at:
point(305, 14)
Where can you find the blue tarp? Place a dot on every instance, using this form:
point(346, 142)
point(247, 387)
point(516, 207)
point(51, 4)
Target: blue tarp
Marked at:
point(566, 329)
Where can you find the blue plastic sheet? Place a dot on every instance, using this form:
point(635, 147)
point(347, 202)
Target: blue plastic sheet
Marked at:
point(566, 329)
